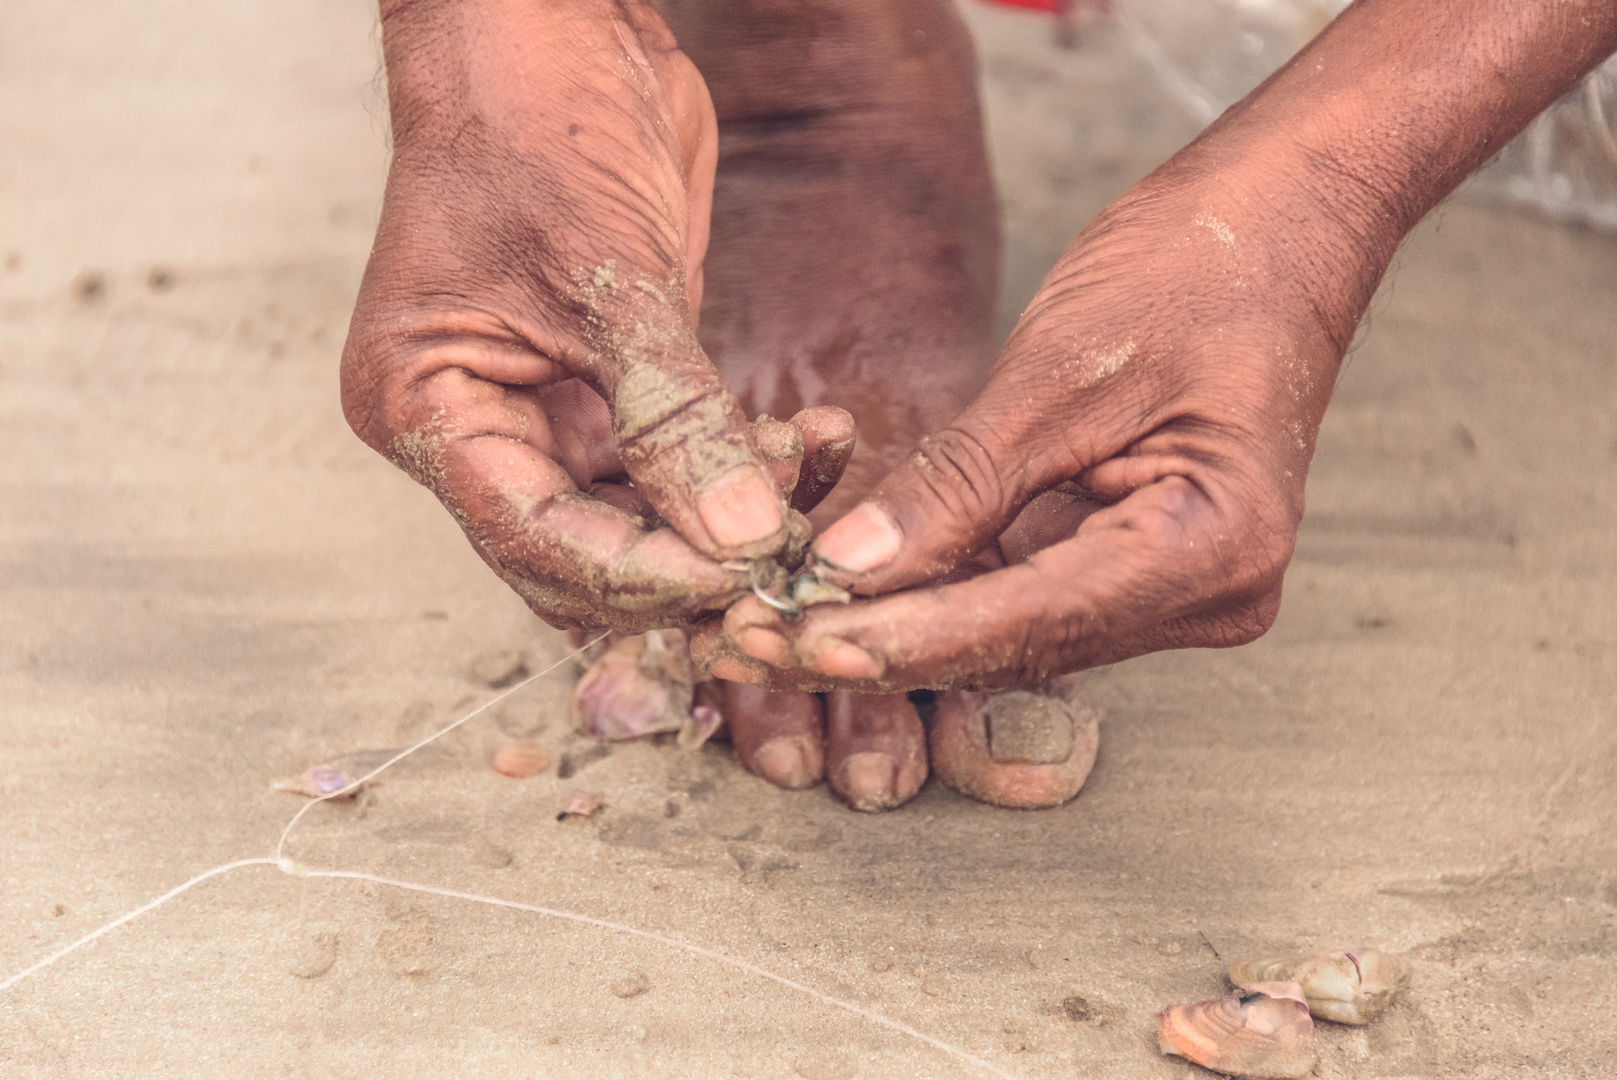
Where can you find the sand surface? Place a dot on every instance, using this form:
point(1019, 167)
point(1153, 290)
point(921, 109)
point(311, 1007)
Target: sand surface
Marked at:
point(207, 584)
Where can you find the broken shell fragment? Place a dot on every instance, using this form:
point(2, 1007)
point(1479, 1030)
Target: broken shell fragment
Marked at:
point(318, 782)
point(808, 589)
point(642, 685)
point(518, 760)
point(704, 721)
point(1264, 1033)
point(580, 803)
point(1351, 987)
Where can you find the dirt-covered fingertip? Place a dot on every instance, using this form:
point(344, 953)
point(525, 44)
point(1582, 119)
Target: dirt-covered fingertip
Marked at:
point(828, 436)
point(862, 541)
point(742, 512)
point(780, 446)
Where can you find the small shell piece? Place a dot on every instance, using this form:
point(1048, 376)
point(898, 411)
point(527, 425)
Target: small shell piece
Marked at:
point(642, 685)
point(317, 782)
point(1264, 1033)
point(518, 760)
point(808, 589)
point(704, 721)
point(580, 803)
point(1351, 987)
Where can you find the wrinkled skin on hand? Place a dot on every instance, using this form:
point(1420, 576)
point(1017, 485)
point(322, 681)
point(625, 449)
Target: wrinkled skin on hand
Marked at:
point(524, 338)
point(1131, 479)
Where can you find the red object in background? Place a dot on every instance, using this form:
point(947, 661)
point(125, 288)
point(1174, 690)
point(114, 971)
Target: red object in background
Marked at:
point(1055, 6)
point(1064, 9)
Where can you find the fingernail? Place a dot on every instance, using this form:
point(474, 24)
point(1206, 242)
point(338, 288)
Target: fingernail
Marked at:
point(868, 780)
point(847, 661)
point(786, 762)
point(865, 538)
point(739, 508)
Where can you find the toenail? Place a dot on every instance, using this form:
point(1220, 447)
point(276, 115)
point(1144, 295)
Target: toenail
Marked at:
point(847, 661)
point(785, 762)
point(865, 538)
point(868, 780)
point(739, 508)
point(1027, 727)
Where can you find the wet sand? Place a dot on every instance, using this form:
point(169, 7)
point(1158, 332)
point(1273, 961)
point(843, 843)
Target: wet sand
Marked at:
point(207, 584)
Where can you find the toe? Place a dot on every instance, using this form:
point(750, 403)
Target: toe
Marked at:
point(776, 735)
point(876, 749)
point(1017, 748)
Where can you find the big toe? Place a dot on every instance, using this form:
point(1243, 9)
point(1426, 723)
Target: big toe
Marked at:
point(778, 736)
point(876, 749)
point(1023, 749)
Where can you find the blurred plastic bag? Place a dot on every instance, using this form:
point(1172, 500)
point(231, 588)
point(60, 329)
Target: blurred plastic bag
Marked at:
point(1208, 54)
point(1565, 163)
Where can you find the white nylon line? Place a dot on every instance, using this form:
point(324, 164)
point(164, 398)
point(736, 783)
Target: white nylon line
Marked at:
point(280, 845)
point(120, 920)
point(294, 869)
point(673, 943)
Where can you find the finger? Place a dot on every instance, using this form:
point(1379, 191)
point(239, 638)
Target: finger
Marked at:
point(1047, 519)
point(622, 496)
point(781, 448)
point(828, 438)
point(575, 559)
point(683, 438)
point(948, 500)
point(1156, 571)
point(806, 456)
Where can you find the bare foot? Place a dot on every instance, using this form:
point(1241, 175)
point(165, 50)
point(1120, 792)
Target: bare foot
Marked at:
point(853, 261)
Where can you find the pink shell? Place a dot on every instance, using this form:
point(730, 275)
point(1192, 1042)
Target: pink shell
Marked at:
point(518, 760)
point(1265, 1032)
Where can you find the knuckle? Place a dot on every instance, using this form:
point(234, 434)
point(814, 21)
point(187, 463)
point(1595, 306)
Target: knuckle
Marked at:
point(1263, 537)
point(363, 393)
point(961, 476)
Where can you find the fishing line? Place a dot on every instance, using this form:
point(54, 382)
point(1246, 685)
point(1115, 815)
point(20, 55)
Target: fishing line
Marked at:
point(292, 867)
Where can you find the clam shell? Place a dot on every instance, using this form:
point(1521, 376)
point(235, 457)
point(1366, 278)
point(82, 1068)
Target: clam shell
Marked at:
point(518, 760)
point(580, 803)
point(642, 685)
point(1350, 987)
point(1264, 1033)
point(704, 721)
point(807, 589)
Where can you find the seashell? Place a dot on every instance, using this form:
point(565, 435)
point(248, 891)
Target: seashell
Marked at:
point(318, 782)
point(642, 685)
point(1350, 987)
point(518, 760)
point(580, 803)
point(1264, 1033)
point(704, 721)
point(808, 589)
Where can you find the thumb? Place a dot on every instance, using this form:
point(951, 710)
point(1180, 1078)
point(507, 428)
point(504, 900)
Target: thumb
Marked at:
point(689, 449)
point(948, 500)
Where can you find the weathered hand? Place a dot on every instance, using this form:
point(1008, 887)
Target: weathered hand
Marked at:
point(523, 342)
point(1141, 447)
point(1130, 479)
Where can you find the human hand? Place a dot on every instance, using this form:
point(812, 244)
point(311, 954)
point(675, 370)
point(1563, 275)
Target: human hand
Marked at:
point(523, 342)
point(1141, 448)
point(1130, 479)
